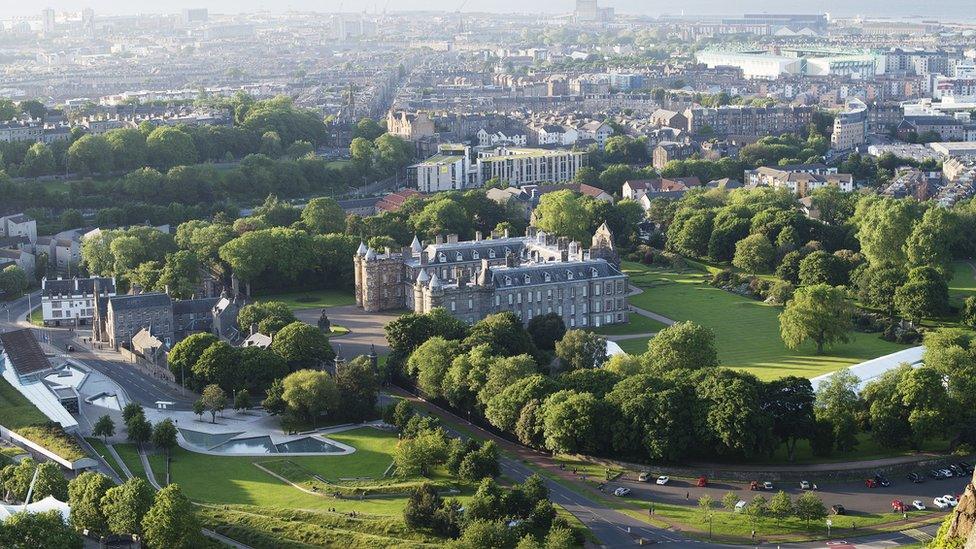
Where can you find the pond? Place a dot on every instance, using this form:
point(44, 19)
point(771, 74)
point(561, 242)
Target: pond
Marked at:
point(227, 443)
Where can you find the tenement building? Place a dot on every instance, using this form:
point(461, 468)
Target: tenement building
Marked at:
point(530, 276)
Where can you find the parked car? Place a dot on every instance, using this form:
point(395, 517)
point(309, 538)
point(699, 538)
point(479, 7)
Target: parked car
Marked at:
point(918, 505)
point(916, 478)
point(882, 481)
point(70, 348)
point(946, 473)
point(940, 503)
point(663, 479)
point(871, 483)
point(767, 485)
point(936, 474)
point(740, 506)
point(804, 485)
point(754, 485)
point(950, 499)
point(838, 510)
point(644, 477)
point(966, 467)
point(702, 481)
point(898, 506)
point(621, 492)
point(956, 471)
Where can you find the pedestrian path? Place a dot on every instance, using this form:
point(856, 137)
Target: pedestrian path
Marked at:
point(918, 534)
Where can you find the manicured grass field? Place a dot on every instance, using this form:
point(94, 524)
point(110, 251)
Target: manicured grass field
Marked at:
point(130, 456)
point(963, 283)
point(746, 330)
point(15, 410)
point(99, 447)
point(312, 299)
point(638, 324)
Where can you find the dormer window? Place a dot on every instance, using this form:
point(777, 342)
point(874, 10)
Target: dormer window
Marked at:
point(548, 277)
point(528, 279)
point(475, 255)
point(442, 258)
point(491, 253)
point(569, 275)
point(594, 273)
point(508, 281)
point(460, 257)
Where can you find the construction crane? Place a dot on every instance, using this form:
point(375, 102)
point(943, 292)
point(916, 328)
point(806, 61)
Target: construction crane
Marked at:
point(461, 17)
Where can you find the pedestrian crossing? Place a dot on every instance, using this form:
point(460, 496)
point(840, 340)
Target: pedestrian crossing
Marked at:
point(918, 534)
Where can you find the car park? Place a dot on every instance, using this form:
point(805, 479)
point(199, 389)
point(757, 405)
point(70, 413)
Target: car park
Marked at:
point(644, 477)
point(740, 506)
point(767, 485)
point(754, 485)
point(663, 479)
point(966, 467)
point(940, 503)
point(918, 505)
point(621, 492)
point(804, 485)
point(882, 481)
point(935, 474)
point(946, 473)
point(956, 470)
point(838, 510)
point(950, 499)
point(871, 483)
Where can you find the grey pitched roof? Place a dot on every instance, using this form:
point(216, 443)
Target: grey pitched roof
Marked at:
point(194, 306)
point(24, 352)
point(86, 286)
point(139, 301)
point(501, 246)
point(557, 271)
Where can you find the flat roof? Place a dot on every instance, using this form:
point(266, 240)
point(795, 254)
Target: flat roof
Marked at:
point(24, 352)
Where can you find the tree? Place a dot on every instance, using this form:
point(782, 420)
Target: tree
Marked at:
point(362, 151)
point(13, 281)
point(924, 294)
point(324, 215)
point(757, 509)
point(171, 521)
point(682, 346)
point(242, 400)
point(503, 333)
point(503, 408)
point(169, 146)
point(49, 481)
point(690, 231)
point(104, 428)
point(781, 506)
point(837, 404)
point(442, 216)
point(164, 436)
point(430, 363)
point(259, 367)
point(483, 534)
point(754, 254)
point(180, 274)
point(417, 454)
point(929, 244)
point(883, 227)
point(309, 394)
point(199, 407)
point(579, 349)
point(358, 388)
point(480, 464)
point(302, 346)
point(90, 155)
point(130, 411)
point(219, 364)
point(85, 493)
point(571, 422)
point(39, 160)
point(546, 330)
point(34, 530)
point(562, 213)
point(819, 313)
point(422, 506)
point(125, 505)
point(730, 500)
point(969, 312)
point(268, 316)
point(820, 267)
point(877, 286)
point(809, 507)
point(128, 146)
point(138, 430)
point(214, 400)
point(789, 401)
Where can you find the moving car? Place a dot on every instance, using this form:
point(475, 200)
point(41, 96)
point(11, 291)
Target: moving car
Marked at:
point(644, 477)
point(754, 485)
point(871, 483)
point(702, 481)
point(918, 505)
point(882, 480)
point(940, 503)
point(838, 510)
point(767, 485)
point(663, 479)
point(804, 485)
point(621, 492)
point(950, 499)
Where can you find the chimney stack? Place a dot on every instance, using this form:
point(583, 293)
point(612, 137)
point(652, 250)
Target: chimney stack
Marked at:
point(564, 255)
point(452, 238)
point(438, 239)
point(477, 236)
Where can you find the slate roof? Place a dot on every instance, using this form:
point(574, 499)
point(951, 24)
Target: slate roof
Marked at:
point(86, 286)
point(558, 271)
point(501, 246)
point(194, 306)
point(24, 352)
point(139, 301)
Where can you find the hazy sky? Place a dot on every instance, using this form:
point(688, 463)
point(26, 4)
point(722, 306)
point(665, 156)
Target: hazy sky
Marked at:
point(893, 8)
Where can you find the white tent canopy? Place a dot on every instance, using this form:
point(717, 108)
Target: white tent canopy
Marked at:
point(872, 369)
point(49, 503)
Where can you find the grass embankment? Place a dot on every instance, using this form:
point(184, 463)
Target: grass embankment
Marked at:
point(130, 456)
point(16, 412)
point(746, 330)
point(963, 282)
point(102, 450)
point(637, 324)
point(311, 299)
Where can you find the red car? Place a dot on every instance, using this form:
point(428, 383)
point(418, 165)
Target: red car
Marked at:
point(898, 506)
point(702, 481)
point(871, 483)
point(754, 485)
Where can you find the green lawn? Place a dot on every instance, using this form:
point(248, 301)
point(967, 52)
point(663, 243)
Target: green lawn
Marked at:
point(15, 410)
point(37, 317)
point(311, 299)
point(746, 330)
point(130, 456)
point(963, 283)
point(638, 324)
point(102, 450)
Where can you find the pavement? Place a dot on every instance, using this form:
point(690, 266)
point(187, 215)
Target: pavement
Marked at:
point(365, 329)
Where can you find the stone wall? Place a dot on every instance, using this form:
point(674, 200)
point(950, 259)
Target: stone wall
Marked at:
point(963, 523)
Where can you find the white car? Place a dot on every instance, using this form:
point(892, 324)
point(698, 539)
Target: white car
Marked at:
point(918, 505)
point(804, 485)
point(621, 492)
point(740, 506)
point(951, 500)
point(644, 477)
point(767, 485)
point(663, 479)
point(940, 503)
